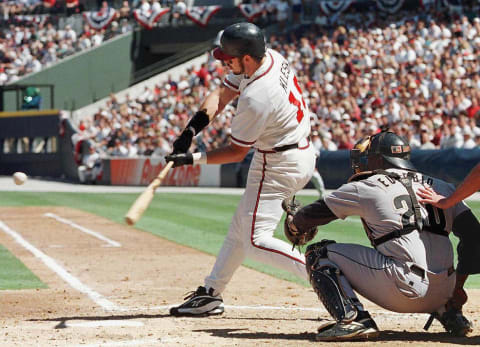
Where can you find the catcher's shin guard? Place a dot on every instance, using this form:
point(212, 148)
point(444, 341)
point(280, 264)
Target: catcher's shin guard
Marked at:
point(325, 280)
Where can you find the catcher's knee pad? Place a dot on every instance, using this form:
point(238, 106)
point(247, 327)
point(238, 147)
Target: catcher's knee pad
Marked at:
point(316, 251)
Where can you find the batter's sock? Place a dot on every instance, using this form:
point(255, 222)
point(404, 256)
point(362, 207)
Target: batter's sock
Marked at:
point(212, 291)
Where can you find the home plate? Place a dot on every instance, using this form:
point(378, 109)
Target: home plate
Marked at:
point(105, 323)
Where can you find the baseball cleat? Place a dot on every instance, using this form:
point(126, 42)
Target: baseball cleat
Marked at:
point(361, 329)
point(199, 303)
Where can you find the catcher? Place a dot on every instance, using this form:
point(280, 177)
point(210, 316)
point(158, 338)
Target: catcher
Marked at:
point(410, 267)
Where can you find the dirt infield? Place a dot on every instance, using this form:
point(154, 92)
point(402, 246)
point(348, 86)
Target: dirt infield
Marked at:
point(111, 285)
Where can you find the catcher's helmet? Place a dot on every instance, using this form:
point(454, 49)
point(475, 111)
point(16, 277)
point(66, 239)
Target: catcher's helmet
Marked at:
point(241, 39)
point(394, 150)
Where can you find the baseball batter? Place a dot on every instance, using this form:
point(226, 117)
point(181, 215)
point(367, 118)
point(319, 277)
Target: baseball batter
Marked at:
point(411, 267)
point(273, 118)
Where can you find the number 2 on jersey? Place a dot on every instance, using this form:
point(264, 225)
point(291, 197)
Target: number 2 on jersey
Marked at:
point(294, 101)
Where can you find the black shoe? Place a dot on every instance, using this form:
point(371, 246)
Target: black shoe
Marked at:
point(362, 328)
point(199, 303)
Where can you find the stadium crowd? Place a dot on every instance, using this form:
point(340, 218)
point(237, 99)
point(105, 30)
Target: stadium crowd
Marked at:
point(32, 38)
point(418, 76)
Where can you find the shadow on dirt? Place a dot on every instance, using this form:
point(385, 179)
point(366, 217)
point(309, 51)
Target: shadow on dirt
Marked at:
point(63, 320)
point(386, 336)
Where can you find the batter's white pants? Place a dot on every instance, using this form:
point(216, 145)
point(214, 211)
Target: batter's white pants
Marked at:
point(272, 177)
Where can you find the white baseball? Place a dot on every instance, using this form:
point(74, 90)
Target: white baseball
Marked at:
point(19, 178)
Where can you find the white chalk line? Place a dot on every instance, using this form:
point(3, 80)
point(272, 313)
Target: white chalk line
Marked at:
point(99, 236)
point(149, 342)
point(54, 266)
point(105, 323)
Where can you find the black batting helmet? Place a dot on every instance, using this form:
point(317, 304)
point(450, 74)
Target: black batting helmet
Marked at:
point(394, 149)
point(241, 39)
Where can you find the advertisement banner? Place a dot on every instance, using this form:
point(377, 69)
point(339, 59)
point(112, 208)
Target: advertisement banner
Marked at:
point(141, 171)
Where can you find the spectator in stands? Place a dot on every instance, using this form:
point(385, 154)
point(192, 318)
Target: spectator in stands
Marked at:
point(177, 12)
point(425, 142)
point(124, 11)
point(73, 7)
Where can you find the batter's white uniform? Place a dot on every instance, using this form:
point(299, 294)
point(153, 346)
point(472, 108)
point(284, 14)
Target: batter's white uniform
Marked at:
point(270, 114)
point(412, 273)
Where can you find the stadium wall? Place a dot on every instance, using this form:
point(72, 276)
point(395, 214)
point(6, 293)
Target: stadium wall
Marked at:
point(141, 171)
point(85, 77)
point(35, 142)
point(451, 165)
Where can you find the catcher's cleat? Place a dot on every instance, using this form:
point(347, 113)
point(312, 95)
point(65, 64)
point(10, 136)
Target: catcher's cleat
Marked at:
point(199, 303)
point(453, 321)
point(359, 329)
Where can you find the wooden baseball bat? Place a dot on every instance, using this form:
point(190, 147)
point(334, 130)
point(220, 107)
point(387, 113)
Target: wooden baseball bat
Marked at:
point(142, 202)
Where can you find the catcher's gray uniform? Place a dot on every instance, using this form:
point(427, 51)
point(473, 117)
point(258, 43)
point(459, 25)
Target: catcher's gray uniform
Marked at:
point(410, 273)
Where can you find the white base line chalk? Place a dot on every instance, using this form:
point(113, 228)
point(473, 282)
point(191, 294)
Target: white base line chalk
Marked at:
point(111, 243)
point(60, 271)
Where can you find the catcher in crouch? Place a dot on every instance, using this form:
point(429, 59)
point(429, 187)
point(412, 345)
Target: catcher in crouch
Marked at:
point(410, 269)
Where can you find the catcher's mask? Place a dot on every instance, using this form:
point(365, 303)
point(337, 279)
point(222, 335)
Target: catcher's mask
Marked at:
point(393, 149)
point(358, 155)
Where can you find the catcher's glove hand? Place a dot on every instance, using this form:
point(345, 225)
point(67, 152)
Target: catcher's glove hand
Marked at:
point(296, 236)
point(453, 321)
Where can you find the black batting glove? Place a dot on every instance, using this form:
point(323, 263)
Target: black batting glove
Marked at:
point(180, 159)
point(183, 142)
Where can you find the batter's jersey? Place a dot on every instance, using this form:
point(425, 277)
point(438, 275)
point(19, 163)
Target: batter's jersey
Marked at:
point(271, 111)
point(385, 206)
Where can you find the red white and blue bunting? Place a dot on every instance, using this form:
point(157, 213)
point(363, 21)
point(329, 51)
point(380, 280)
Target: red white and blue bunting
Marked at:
point(201, 14)
point(101, 19)
point(390, 6)
point(335, 7)
point(251, 11)
point(148, 19)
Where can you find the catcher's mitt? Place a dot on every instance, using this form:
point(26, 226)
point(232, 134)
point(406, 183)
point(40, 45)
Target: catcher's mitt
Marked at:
point(297, 237)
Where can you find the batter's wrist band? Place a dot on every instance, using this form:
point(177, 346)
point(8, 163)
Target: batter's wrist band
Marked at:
point(199, 157)
point(199, 121)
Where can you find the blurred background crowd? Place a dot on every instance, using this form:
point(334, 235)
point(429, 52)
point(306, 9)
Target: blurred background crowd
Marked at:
point(418, 76)
point(417, 73)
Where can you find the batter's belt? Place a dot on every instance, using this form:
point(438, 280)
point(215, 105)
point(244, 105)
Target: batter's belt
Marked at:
point(285, 147)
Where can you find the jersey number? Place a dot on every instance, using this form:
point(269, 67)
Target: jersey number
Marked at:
point(436, 218)
point(294, 101)
point(402, 202)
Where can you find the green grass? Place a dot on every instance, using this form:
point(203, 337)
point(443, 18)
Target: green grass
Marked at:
point(14, 275)
point(196, 220)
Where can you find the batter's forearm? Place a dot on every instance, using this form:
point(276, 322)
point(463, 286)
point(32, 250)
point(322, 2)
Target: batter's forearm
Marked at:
point(216, 101)
point(228, 154)
point(211, 104)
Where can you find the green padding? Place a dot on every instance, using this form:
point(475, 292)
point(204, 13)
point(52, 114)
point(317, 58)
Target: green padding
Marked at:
point(14, 275)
